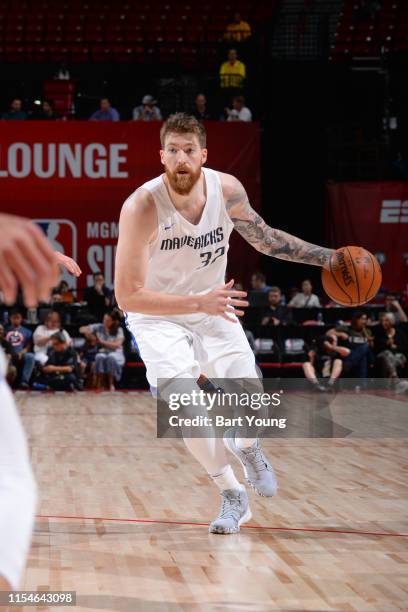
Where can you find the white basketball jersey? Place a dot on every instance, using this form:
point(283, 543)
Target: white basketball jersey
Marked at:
point(187, 259)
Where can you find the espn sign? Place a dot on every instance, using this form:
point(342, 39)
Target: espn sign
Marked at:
point(394, 211)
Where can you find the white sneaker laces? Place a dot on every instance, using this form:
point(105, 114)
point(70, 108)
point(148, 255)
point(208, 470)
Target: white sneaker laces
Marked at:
point(229, 508)
point(258, 460)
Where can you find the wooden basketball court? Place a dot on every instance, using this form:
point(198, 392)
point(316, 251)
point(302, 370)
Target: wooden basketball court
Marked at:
point(123, 517)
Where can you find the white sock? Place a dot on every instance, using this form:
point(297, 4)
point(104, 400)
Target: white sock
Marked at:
point(227, 480)
point(244, 443)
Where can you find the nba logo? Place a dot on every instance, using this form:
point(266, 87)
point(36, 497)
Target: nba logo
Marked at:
point(62, 236)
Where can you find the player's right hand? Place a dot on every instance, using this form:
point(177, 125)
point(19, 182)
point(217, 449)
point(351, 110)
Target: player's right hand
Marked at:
point(224, 301)
point(27, 259)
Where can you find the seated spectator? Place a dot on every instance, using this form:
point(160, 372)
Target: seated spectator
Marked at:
point(258, 282)
point(16, 112)
point(19, 338)
point(147, 111)
point(232, 72)
point(106, 112)
point(11, 369)
point(392, 305)
point(359, 339)
point(305, 299)
point(97, 298)
point(110, 358)
point(200, 110)
point(43, 334)
point(87, 354)
point(326, 361)
point(276, 313)
point(391, 348)
point(238, 112)
point(238, 30)
point(63, 293)
point(47, 112)
point(60, 371)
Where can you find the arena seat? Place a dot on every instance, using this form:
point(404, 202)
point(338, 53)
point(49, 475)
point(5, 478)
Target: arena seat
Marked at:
point(369, 35)
point(36, 28)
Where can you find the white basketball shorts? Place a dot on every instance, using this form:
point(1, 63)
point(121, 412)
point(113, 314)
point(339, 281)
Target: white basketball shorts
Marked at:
point(184, 349)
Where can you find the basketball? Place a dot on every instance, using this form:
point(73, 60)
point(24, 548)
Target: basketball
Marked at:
point(352, 276)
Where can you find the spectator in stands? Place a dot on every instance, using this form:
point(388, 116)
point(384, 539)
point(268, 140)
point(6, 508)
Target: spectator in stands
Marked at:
point(19, 338)
point(391, 347)
point(258, 282)
point(238, 30)
point(5, 345)
point(200, 110)
point(106, 112)
point(43, 334)
point(232, 72)
point(110, 358)
point(63, 293)
point(326, 361)
point(359, 339)
point(238, 112)
point(60, 372)
point(147, 111)
point(47, 112)
point(305, 299)
point(392, 305)
point(15, 112)
point(275, 313)
point(87, 355)
point(98, 298)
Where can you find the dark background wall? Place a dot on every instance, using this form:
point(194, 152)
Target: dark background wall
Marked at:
point(294, 163)
point(324, 122)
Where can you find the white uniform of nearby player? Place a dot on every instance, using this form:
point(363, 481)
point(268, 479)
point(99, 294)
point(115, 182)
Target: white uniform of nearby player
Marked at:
point(17, 488)
point(187, 259)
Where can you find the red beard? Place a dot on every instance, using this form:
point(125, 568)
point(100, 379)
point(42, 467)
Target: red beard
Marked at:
point(182, 183)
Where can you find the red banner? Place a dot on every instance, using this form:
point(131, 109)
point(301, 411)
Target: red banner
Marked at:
point(375, 216)
point(72, 178)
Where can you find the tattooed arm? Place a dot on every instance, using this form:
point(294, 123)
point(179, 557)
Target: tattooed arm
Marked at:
point(267, 240)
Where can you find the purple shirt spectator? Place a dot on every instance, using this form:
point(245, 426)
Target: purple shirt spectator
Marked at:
point(106, 112)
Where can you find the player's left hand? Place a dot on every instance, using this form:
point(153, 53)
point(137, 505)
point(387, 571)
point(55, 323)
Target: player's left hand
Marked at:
point(68, 263)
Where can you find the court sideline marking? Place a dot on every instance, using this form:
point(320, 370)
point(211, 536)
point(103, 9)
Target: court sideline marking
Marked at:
point(196, 524)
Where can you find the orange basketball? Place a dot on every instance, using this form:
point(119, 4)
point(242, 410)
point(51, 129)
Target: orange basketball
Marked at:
point(352, 276)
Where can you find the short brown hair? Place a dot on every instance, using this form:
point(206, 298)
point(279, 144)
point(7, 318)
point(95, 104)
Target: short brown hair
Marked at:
point(59, 338)
point(181, 123)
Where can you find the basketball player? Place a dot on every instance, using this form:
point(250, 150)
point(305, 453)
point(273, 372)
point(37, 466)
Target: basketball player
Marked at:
point(170, 270)
point(27, 259)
